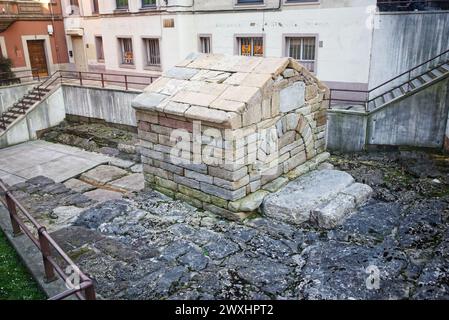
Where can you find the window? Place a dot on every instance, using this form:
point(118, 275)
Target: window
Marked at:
point(301, 1)
point(249, 1)
point(99, 47)
point(126, 51)
point(121, 4)
point(205, 44)
point(153, 52)
point(250, 46)
point(74, 7)
point(148, 3)
point(302, 49)
point(95, 6)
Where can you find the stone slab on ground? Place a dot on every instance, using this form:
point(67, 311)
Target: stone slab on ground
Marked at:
point(320, 192)
point(132, 182)
point(78, 185)
point(103, 174)
point(102, 195)
point(34, 158)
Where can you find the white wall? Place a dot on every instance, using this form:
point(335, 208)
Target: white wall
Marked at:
point(340, 26)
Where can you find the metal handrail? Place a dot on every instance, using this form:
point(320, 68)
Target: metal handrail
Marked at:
point(408, 71)
point(368, 100)
point(84, 290)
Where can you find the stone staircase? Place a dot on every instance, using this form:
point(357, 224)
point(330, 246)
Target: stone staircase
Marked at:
point(417, 83)
point(20, 108)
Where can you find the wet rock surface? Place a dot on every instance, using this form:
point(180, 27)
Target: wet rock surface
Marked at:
point(395, 247)
point(97, 137)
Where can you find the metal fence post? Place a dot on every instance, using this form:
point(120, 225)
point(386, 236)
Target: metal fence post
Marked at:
point(102, 80)
point(46, 252)
point(89, 293)
point(81, 78)
point(126, 82)
point(12, 214)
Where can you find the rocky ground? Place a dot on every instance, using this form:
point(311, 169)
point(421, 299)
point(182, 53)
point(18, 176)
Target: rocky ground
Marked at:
point(147, 246)
point(97, 137)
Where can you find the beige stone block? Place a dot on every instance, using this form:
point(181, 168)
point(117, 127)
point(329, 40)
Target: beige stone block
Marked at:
point(258, 80)
point(150, 117)
point(228, 105)
point(228, 175)
point(157, 172)
point(240, 93)
point(194, 98)
point(148, 136)
point(294, 64)
point(157, 85)
point(173, 86)
point(211, 76)
point(161, 130)
point(206, 114)
point(231, 185)
point(311, 91)
point(215, 89)
point(176, 108)
point(275, 103)
point(167, 184)
point(236, 79)
point(252, 115)
point(266, 108)
point(273, 66)
point(287, 138)
point(246, 64)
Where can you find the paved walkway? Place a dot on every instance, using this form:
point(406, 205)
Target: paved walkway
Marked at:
point(40, 158)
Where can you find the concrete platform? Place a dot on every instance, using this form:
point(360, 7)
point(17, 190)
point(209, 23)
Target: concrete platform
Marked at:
point(58, 162)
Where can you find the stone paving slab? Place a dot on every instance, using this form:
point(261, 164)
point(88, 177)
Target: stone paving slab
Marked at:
point(130, 183)
point(103, 174)
point(102, 195)
point(78, 185)
point(35, 158)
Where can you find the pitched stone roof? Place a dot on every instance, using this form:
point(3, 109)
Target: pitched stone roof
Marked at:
point(215, 88)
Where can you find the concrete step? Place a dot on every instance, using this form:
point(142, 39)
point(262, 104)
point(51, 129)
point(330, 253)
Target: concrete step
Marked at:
point(445, 66)
point(427, 78)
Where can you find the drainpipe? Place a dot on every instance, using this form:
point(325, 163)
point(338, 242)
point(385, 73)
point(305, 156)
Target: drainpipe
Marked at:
point(50, 6)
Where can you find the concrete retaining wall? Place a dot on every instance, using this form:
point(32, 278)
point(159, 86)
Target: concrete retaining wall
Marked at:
point(404, 40)
point(418, 120)
point(46, 114)
point(10, 94)
point(346, 131)
point(111, 105)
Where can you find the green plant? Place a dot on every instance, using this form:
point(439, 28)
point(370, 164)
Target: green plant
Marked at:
point(5, 68)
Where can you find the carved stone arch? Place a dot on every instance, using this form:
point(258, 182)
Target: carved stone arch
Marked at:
point(305, 132)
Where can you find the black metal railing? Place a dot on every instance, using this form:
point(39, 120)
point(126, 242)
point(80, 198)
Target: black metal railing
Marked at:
point(412, 5)
point(403, 81)
point(82, 78)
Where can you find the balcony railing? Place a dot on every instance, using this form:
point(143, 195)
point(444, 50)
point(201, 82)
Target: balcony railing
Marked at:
point(412, 5)
point(12, 8)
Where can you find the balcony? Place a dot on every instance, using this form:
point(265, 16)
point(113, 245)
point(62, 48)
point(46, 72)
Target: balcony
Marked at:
point(412, 5)
point(11, 11)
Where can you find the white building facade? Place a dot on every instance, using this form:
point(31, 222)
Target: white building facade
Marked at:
point(330, 37)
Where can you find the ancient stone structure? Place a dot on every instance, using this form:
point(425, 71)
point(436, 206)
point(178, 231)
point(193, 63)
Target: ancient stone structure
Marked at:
point(221, 132)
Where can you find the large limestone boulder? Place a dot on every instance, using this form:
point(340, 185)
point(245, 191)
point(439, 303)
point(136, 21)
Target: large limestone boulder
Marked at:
point(324, 197)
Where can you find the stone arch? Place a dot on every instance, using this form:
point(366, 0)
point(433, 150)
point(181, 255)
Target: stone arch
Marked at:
point(299, 124)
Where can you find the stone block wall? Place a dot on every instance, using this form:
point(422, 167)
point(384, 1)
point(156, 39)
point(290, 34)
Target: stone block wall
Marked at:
point(227, 162)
